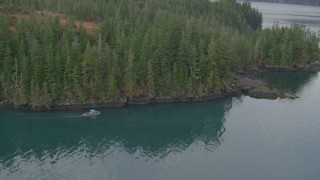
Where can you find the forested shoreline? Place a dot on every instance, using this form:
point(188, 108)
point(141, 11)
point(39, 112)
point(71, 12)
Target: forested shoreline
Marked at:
point(142, 49)
point(305, 2)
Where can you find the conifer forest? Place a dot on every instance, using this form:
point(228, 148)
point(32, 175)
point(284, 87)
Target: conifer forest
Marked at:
point(106, 50)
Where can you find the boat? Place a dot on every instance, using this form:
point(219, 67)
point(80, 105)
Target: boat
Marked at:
point(91, 113)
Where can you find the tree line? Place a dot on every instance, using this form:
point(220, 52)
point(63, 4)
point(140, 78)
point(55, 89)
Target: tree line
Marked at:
point(144, 48)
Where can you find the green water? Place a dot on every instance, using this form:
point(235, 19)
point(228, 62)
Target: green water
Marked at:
point(232, 138)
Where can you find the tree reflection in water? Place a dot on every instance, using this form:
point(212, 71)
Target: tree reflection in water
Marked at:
point(149, 131)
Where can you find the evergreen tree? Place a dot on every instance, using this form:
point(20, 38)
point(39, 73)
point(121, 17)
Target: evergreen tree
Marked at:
point(146, 48)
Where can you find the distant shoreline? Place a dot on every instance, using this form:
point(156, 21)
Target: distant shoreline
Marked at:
point(284, 2)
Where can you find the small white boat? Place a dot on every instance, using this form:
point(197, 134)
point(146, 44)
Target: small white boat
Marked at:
point(91, 113)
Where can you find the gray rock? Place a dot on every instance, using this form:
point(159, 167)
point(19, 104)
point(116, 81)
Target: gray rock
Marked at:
point(232, 90)
point(288, 96)
point(246, 88)
point(263, 94)
point(314, 66)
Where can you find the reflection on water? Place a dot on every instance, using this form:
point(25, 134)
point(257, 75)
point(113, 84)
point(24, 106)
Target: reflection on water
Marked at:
point(295, 82)
point(231, 138)
point(150, 132)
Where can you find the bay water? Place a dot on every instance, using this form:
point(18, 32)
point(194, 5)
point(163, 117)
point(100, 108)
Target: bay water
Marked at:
point(289, 14)
point(230, 138)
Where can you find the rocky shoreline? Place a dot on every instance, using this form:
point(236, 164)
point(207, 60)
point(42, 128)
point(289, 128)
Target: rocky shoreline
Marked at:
point(243, 83)
point(248, 84)
point(73, 104)
point(4, 102)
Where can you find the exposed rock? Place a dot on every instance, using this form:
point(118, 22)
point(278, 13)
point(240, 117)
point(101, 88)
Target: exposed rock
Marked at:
point(249, 85)
point(208, 97)
point(246, 88)
point(314, 66)
point(4, 102)
point(75, 104)
point(171, 99)
point(263, 94)
point(232, 90)
point(288, 96)
point(138, 100)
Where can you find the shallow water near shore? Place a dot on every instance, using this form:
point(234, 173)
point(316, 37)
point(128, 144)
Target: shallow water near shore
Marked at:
point(231, 138)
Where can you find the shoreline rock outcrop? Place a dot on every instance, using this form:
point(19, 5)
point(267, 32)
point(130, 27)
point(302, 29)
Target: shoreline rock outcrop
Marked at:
point(243, 83)
point(248, 84)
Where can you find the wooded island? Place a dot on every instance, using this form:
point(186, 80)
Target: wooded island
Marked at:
point(71, 51)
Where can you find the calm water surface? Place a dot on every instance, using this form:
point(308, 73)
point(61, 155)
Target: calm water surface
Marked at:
point(288, 14)
point(233, 138)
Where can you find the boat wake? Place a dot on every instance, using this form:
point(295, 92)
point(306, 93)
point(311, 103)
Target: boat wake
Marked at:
point(33, 116)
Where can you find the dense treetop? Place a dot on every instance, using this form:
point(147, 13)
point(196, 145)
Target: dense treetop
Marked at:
point(141, 48)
